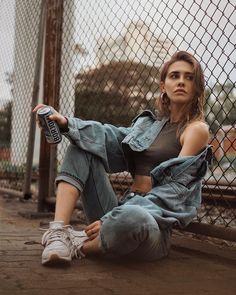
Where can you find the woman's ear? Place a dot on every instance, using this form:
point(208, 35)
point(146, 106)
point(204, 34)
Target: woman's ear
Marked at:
point(162, 87)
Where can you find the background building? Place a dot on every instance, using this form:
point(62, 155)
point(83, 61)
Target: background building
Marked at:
point(137, 44)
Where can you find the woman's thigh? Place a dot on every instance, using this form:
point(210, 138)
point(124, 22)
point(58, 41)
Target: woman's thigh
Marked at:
point(87, 173)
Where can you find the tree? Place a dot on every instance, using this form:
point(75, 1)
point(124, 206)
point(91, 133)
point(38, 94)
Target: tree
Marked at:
point(116, 92)
point(220, 105)
point(5, 124)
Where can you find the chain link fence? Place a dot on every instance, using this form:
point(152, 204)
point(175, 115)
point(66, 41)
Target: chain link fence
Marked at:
point(19, 25)
point(110, 61)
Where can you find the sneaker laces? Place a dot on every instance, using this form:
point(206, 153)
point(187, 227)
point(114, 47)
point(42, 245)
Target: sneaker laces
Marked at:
point(55, 234)
point(78, 239)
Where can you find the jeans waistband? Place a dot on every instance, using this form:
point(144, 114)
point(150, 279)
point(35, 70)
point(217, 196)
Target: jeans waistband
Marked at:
point(129, 191)
point(129, 194)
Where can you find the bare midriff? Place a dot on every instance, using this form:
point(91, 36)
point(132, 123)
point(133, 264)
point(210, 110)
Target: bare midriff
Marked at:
point(141, 184)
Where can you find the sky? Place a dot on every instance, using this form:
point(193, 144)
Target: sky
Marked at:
point(201, 23)
point(208, 26)
point(6, 46)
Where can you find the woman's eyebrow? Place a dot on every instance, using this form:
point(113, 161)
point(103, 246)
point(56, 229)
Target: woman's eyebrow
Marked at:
point(178, 72)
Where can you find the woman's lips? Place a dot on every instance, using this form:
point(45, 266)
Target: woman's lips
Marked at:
point(182, 91)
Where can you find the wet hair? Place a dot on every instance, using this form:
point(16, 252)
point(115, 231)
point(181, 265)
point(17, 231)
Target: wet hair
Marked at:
point(193, 110)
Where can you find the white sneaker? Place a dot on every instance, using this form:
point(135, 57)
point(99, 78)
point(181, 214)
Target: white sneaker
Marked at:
point(77, 238)
point(57, 243)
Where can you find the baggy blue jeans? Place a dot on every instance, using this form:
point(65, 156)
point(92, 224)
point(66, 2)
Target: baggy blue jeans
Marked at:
point(126, 229)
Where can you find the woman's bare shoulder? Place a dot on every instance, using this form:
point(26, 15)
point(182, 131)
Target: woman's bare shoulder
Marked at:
point(195, 137)
point(200, 127)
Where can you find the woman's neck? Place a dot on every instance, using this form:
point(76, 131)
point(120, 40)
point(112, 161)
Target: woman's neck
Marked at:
point(176, 112)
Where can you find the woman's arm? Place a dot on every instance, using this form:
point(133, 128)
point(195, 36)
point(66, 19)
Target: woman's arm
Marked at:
point(194, 138)
point(102, 140)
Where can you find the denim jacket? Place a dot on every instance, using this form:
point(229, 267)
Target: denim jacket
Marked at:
point(176, 183)
point(107, 141)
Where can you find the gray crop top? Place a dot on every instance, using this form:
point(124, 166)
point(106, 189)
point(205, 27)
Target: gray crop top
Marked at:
point(164, 147)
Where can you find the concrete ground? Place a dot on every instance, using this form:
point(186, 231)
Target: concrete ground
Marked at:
point(193, 267)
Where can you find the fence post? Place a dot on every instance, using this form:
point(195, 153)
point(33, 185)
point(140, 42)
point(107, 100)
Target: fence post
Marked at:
point(51, 84)
point(35, 94)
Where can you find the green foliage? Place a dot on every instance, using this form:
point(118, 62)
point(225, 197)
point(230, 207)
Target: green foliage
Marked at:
point(5, 124)
point(108, 107)
point(116, 93)
point(8, 170)
point(220, 108)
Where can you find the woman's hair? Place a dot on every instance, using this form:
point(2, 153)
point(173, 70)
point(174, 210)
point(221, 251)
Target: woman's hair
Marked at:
point(194, 109)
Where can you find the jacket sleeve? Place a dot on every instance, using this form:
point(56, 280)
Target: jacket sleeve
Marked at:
point(102, 140)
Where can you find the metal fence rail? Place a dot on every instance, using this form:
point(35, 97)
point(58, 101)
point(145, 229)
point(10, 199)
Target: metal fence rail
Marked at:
point(110, 58)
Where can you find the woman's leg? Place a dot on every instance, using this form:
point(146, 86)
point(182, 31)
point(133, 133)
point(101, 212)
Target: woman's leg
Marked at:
point(130, 230)
point(82, 174)
point(86, 177)
point(66, 199)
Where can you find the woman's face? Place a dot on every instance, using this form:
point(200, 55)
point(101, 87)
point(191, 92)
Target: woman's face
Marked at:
point(179, 83)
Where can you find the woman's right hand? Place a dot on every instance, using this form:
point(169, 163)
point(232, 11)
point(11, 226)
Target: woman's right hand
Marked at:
point(58, 118)
point(93, 229)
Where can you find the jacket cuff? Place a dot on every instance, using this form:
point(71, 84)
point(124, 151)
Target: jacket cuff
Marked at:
point(69, 130)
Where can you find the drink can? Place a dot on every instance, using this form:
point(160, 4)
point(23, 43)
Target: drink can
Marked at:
point(50, 128)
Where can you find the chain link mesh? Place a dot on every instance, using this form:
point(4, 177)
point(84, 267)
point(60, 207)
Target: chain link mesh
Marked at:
point(18, 36)
point(111, 57)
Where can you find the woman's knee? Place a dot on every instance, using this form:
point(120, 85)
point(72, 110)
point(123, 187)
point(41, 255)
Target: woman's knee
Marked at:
point(129, 217)
point(75, 168)
point(73, 152)
point(127, 227)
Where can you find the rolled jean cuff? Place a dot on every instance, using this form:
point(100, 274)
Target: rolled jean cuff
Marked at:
point(69, 179)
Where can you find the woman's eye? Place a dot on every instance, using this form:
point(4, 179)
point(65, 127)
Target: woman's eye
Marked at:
point(190, 78)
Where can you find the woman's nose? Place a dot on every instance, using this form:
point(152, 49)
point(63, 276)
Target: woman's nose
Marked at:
point(181, 80)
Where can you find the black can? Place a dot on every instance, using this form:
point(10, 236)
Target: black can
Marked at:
point(50, 128)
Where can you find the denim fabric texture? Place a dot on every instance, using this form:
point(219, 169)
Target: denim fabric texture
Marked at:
point(140, 225)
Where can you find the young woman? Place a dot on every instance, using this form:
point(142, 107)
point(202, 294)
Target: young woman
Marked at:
point(167, 157)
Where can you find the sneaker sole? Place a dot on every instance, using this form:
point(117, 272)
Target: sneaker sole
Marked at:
point(55, 259)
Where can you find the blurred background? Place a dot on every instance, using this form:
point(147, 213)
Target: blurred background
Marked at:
point(100, 60)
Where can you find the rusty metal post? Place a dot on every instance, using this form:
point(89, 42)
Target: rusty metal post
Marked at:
point(51, 83)
point(35, 94)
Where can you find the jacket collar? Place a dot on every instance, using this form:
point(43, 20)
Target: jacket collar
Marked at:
point(145, 113)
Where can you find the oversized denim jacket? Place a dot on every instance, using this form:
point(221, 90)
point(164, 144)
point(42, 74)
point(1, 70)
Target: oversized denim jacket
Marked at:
point(176, 184)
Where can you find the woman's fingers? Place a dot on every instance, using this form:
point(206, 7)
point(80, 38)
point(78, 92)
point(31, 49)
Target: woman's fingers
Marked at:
point(93, 236)
point(61, 120)
point(39, 106)
point(93, 229)
point(94, 224)
point(57, 117)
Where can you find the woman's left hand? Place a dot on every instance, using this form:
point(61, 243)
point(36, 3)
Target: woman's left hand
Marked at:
point(93, 229)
